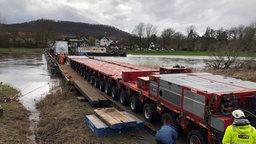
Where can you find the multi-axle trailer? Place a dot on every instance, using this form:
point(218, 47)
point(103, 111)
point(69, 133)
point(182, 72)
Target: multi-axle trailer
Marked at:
point(200, 104)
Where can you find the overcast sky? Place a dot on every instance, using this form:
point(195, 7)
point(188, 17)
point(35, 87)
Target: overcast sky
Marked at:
point(126, 14)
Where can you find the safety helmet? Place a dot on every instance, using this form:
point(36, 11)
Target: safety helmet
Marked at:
point(238, 114)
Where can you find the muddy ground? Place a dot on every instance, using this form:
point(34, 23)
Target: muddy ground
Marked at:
point(62, 120)
point(14, 124)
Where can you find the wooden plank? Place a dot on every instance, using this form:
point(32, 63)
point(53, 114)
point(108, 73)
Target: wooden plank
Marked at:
point(114, 118)
point(66, 73)
point(89, 92)
point(86, 89)
point(101, 129)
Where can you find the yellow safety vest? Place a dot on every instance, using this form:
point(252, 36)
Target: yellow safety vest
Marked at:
point(239, 135)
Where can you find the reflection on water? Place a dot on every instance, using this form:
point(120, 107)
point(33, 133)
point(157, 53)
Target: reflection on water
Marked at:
point(29, 74)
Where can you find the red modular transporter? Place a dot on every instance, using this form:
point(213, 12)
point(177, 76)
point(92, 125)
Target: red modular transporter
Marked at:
point(200, 104)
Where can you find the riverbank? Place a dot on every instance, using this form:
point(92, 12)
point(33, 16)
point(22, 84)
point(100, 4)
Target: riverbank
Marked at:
point(62, 120)
point(14, 123)
point(246, 72)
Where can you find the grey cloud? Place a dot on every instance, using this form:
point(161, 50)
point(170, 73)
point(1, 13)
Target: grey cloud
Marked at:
point(126, 14)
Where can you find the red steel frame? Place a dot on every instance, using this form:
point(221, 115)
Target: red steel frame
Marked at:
point(126, 75)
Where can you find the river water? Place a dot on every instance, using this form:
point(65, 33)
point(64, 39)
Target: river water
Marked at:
point(194, 62)
point(28, 73)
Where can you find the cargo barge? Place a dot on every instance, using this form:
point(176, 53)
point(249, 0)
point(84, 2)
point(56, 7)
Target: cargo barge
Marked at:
point(99, 51)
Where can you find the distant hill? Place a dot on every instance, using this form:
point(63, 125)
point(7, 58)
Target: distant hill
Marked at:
point(67, 28)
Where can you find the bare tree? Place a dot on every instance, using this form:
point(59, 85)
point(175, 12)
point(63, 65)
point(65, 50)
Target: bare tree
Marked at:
point(139, 31)
point(248, 40)
point(191, 37)
point(222, 35)
point(191, 31)
point(178, 39)
point(166, 35)
point(224, 55)
point(150, 30)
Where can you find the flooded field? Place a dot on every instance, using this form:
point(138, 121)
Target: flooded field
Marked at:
point(29, 74)
point(195, 62)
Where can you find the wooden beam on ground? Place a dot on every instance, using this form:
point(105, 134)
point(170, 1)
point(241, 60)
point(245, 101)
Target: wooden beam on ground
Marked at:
point(114, 118)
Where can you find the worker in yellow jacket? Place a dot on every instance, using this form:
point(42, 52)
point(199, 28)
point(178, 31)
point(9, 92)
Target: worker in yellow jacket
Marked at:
point(240, 132)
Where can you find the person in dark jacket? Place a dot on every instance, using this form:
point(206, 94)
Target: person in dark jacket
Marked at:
point(167, 134)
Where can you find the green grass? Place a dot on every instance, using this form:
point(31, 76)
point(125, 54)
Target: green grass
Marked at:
point(14, 124)
point(7, 90)
point(166, 53)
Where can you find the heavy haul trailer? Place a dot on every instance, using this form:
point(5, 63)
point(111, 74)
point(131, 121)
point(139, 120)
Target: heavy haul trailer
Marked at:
point(199, 103)
point(105, 74)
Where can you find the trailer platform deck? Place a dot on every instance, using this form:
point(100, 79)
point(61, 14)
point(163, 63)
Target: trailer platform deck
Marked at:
point(86, 89)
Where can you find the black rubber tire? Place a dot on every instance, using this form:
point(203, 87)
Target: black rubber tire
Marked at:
point(123, 97)
point(80, 71)
point(92, 79)
point(168, 119)
point(88, 77)
point(96, 82)
point(102, 85)
point(150, 113)
point(85, 75)
point(107, 88)
point(135, 104)
point(197, 136)
point(114, 93)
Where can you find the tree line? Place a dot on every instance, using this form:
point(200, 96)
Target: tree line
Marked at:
point(243, 38)
point(223, 45)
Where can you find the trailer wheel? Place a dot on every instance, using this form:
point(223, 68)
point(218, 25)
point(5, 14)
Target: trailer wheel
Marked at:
point(88, 77)
point(168, 119)
point(135, 104)
point(85, 75)
point(149, 112)
point(92, 80)
point(197, 137)
point(107, 88)
point(123, 97)
point(114, 93)
point(96, 82)
point(80, 71)
point(102, 85)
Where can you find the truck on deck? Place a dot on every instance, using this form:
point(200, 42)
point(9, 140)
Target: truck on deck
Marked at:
point(200, 104)
point(60, 47)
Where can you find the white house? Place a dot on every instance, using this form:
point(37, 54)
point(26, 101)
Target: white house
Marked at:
point(105, 42)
